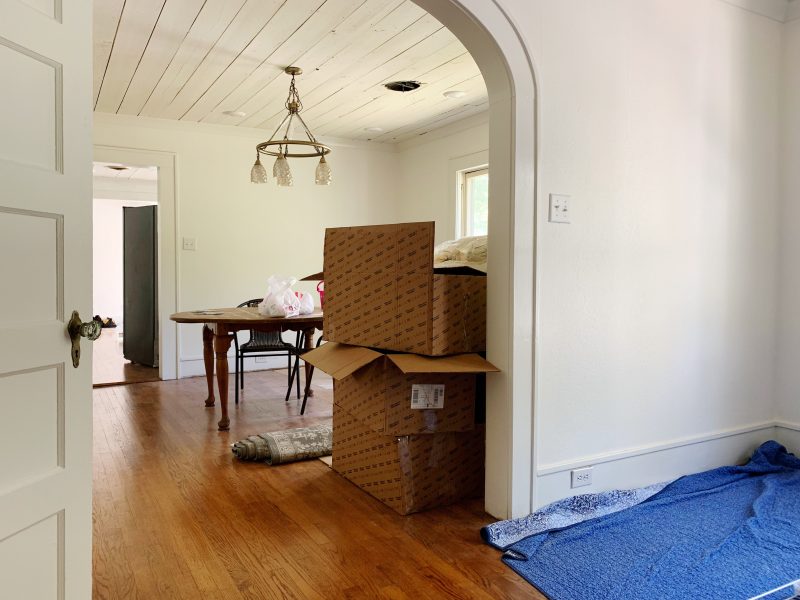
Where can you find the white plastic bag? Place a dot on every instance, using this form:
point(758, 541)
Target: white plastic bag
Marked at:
point(280, 301)
point(306, 303)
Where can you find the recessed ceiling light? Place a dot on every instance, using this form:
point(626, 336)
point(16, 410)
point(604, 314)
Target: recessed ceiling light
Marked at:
point(402, 86)
point(234, 113)
point(373, 129)
point(454, 94)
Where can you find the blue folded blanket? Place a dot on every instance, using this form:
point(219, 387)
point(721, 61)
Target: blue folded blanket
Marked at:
point(732, 532)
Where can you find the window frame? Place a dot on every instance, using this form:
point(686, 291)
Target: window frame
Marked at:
point(463, 208)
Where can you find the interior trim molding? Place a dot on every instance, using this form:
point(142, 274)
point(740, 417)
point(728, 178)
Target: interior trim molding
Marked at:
point(788, 425)
point(251, 133)
point(606, 457)
point(777, 10)
point(450, 129)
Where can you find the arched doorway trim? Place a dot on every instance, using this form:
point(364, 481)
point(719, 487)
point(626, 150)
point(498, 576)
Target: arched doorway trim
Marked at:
point(506, 65)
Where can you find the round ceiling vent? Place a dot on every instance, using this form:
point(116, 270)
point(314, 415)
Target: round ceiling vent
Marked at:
point(402, 86)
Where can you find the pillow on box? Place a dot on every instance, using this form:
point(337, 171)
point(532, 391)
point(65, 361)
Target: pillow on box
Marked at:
point(466, 252)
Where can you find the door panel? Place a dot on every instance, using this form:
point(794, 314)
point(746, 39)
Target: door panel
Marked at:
point(34, 401)
point(38, 550)
point(45, 267)
point(36, 275)
point(140, 291)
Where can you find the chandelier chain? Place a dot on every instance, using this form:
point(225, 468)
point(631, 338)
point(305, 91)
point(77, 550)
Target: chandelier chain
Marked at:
point(293, 103)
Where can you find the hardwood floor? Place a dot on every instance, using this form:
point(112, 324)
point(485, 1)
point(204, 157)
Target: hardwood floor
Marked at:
point(176, 516)
point(109, 366)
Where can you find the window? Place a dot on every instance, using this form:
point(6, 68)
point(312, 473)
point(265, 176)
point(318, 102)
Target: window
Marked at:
point(474, 202)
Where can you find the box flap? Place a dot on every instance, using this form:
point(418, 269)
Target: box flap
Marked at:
point(314, 277)
point(460, 363)
point(340, 360)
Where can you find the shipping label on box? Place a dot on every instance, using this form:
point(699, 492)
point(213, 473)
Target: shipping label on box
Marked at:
point(377, 388)
point(427, 395)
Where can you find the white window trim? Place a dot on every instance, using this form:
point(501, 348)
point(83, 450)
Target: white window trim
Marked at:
point(463, 229)
point(456, 169)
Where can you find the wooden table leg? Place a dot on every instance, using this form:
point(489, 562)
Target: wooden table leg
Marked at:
point(222, 343)
point(308, 344)
point(208, 361)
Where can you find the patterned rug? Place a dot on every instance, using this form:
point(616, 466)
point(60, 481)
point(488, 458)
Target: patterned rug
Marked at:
point(290, 445)
point(564, 513)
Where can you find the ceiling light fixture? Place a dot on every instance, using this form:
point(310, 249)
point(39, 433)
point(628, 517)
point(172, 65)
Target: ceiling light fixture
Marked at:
point(454, 94)
point(281, 147)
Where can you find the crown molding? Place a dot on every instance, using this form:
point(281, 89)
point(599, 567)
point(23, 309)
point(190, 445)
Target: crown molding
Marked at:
point(777, 10)
point(256, 135)
point(477, 120)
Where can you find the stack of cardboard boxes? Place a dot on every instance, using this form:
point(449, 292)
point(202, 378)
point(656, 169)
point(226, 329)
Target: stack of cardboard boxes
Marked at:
point(402, 343)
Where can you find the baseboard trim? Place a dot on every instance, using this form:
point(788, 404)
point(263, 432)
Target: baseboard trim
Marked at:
point(788, 425)
point(652, 448)
point(195, 366)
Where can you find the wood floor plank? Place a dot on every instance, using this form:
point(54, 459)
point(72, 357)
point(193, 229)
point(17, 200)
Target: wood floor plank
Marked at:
point(176, 516)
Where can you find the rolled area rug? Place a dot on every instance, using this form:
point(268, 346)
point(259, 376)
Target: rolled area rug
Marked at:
point(288, 445)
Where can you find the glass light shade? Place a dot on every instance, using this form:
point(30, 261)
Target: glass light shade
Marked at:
point(282, 171)
point(323, 173)
point(258, 174)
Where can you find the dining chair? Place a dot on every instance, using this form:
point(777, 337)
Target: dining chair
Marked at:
point(309, 373)
point(266, 343)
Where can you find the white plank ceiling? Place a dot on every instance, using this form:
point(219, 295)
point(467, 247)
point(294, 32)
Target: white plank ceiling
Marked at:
point(196, 60)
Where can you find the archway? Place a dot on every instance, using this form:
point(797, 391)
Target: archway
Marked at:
point(507, 68)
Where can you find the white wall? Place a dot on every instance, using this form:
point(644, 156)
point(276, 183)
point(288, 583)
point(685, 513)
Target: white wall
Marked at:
point(427, 172)
point(246, 232)
point(107, 257)
point(788, 397)
point(657, 305)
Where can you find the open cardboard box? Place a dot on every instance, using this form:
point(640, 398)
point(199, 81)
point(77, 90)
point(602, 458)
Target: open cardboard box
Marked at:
point(382, 291)
point(409, 473)
point(402, 394)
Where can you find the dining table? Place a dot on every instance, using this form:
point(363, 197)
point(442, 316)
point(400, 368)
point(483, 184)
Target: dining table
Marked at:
point(219, 328)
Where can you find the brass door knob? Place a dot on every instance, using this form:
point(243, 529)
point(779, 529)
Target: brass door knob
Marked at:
point(77, 329)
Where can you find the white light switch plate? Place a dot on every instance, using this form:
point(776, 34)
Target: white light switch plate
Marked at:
point(559, 208)
point(189, 244)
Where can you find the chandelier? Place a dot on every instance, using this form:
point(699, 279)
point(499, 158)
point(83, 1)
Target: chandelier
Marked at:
point(289, 146)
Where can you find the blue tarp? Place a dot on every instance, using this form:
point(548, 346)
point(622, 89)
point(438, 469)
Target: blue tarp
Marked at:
point(732, 532)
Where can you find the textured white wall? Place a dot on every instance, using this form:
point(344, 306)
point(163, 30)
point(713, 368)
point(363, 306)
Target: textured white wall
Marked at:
point(246, 232)
point(657, 305)
point(427, 176)
point(789, 316)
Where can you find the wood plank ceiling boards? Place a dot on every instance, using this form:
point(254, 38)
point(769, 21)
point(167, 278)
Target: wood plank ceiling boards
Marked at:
point(200, 60)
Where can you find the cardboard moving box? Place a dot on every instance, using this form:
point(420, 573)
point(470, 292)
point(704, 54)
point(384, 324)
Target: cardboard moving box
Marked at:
point(409, 473)
point(402, 394)
point(381, 291)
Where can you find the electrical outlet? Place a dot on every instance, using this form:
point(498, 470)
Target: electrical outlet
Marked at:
point(559, 208)
point(189, 244)
point(581, 477)
point(261, 358)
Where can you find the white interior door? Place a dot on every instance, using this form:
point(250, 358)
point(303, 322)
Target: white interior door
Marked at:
point(45, 273)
